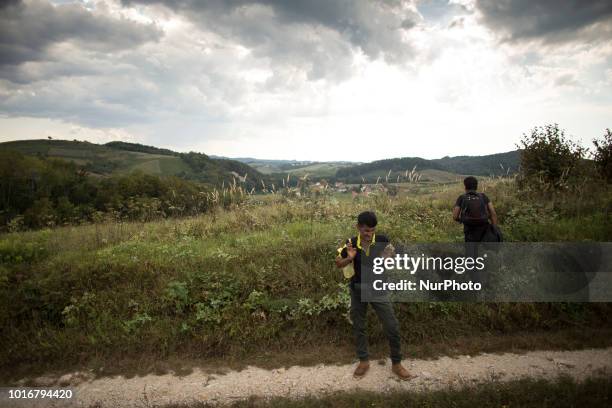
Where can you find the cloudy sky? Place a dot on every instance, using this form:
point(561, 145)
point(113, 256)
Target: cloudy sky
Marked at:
point(306, 79)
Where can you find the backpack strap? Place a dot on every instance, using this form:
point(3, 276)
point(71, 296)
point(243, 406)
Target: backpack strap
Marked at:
point(482, 203)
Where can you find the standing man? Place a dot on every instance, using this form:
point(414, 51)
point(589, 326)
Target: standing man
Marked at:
point(473, 210)
point(355, 251)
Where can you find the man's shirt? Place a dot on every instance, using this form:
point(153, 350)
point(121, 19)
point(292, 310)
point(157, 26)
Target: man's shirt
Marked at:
point(471, 230)
point(365, 255)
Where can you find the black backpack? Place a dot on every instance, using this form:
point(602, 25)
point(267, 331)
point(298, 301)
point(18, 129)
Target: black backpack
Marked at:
point(473, 209)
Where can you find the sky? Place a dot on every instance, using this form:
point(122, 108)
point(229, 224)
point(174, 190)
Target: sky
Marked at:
point(322, 80)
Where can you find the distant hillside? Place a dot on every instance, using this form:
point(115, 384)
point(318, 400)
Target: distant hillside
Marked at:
point(297, 167)
point(494, 164)
point(122, 158)
point(137, 147)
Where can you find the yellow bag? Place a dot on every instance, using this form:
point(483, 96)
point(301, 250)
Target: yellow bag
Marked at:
point(348, 271)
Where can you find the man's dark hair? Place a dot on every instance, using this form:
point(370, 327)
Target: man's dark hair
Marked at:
point(367, 218)
point(470, 183)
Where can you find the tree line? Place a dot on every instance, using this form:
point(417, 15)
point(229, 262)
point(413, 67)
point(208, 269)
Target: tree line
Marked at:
point(40, 192)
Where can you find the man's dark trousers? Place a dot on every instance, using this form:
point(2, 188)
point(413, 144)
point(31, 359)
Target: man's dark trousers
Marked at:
point(473, 237)
point(385, 313)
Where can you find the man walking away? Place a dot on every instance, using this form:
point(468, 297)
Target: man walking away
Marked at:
point(360, 249)
point(473, 210)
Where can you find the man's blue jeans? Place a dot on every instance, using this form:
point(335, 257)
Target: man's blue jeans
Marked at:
point(386, 315)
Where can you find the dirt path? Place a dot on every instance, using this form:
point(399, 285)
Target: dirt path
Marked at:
point(155, 390)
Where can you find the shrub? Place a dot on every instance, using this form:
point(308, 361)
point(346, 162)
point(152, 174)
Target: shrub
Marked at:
point(603, 155)
point(548, 157)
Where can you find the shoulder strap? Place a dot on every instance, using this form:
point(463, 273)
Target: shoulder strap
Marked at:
point(483, 204)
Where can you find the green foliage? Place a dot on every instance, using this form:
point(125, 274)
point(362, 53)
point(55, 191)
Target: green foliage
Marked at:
point(257, 275)
point(549, 158)
point(603, 155)
point(177, 295)
point(221, 171)
point(16, 252)
point(38, 192)
point(80, 311)
point(139, 320)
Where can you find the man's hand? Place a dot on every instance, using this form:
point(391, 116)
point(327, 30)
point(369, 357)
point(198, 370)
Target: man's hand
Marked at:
point(457, 214)
point(351, 252)
point(389, 251)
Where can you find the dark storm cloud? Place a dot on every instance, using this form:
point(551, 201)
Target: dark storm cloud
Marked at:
point(59, 61)
point(375, 27)
point(27, 29)
point(548, 20)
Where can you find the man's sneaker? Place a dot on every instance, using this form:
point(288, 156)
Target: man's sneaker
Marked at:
point(399, 370)
point(362, 369)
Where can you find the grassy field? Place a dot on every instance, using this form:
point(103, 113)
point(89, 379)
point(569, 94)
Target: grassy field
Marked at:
point(257, 282)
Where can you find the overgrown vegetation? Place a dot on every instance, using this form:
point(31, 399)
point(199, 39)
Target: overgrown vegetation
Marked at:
point(557, 176)
point(254, 274)
point(550, 158)
point(603, 155)
point(38, 192)
point(258, 275)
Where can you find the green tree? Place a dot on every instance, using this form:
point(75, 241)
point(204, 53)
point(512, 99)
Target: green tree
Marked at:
point(603, 155)
point(548, 156)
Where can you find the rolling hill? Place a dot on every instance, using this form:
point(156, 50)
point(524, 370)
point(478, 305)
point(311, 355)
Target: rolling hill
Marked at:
point(494, 164)
point(296, 167)
point(122, 158)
